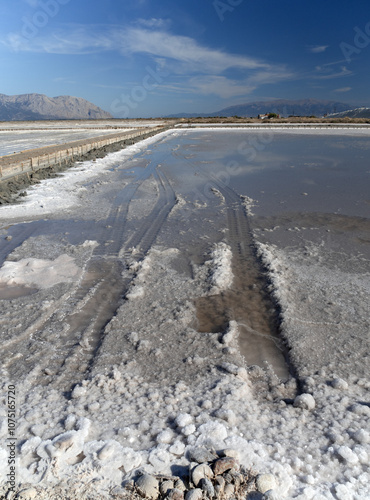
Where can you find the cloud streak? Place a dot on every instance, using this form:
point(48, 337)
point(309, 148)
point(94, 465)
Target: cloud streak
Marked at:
point(343, 89)
point(327, 74)
point(204, 68)
point(317, 49)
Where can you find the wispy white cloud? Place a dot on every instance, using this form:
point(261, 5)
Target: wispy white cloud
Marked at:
point(77, 39)
point(185, 50)
point(326, 73)
point(227, 87)
point(154, 23)
point(317, 49)
point(203, 69)
point(343, 89)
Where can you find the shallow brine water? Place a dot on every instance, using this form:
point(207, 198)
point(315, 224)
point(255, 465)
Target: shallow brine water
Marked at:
point(130, 286)
point(297, 191)
point(241, 186)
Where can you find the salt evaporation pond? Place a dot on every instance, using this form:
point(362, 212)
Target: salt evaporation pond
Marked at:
point(181, 293)
point(15, 141)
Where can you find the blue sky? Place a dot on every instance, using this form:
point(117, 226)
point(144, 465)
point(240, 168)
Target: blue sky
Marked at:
point(156, 57)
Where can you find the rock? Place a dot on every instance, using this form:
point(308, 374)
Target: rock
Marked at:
point(28, 494)
point(9, 238)
point(219, 486)
point(180, 485)
point(194, 494)
point(223, 464)
point(148, 486)
point(165, 487)
point(201, 471)
point(119, 492)
point(175, 494)
point(229, 452)
point(340, 384)
point(265, 482)
point(206, 485)
point(229, 491)
point(304, 401)
point(201, 455)
point(237, 478)
point(270, 495)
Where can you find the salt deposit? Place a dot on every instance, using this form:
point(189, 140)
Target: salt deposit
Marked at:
point(144, 394)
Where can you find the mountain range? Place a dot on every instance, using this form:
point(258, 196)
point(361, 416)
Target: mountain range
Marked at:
point(353, 113)
point(42, 107)
point(283, 107)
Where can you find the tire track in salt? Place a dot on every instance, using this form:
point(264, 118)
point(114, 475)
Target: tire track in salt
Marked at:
point(248, 300)
point(106, 283)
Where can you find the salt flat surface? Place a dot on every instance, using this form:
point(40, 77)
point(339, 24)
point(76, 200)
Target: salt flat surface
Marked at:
point(17, 141)
point(112, 375)
point(78, 124)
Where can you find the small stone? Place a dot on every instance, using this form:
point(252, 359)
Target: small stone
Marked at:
point(265, 482)
point(223, 464)
point(270, 495)
point(229, 491)
point(28, 494)
point(237, 478)
point(201, 455)
point(175, 494)
point(206, 485)
point(201, 471)
point(194, 494)
point(304, 401)
point(165, 487)
point(9, 238)
point(119, 492)
point(230, 452)
point(219, 485)
point(180, 485)
point(340, 384)
point(148, 486)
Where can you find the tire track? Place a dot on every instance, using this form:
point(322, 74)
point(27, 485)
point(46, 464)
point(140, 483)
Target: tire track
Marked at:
point(70, 333)
point(248, 300)
point(102, 291)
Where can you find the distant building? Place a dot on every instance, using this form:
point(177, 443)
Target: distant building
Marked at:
point(268, 116)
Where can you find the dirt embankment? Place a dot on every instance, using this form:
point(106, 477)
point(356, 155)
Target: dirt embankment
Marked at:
point(12, 190)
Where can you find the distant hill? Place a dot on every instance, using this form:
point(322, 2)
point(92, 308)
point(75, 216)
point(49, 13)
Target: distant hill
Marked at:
point(352, 113)
point(42, 107)
point(283, 107)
